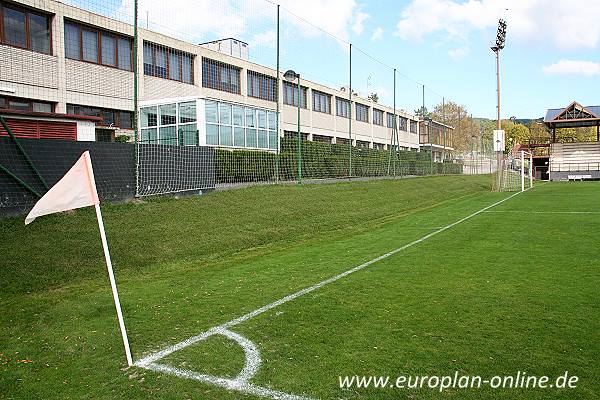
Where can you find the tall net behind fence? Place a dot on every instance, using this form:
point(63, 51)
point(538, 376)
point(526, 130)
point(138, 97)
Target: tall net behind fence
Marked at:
point(217, 92)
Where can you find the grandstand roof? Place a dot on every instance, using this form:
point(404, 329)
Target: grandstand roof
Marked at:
point(573, 116)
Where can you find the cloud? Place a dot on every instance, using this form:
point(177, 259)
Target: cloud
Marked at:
point(458, 53)
point(359, 20)
point(337, 17)
point(202, 20)
point(536, 21)
point(267, 38)
point(573, 67)
point(377, 34)
point(196, 20)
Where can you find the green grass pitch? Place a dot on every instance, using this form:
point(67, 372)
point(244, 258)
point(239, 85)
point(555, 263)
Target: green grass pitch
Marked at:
point(513, 288)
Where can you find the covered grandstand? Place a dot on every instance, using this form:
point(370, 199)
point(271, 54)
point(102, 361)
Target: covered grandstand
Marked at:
point(574, 160)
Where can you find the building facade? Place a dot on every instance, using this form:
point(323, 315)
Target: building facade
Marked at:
point(61, 59)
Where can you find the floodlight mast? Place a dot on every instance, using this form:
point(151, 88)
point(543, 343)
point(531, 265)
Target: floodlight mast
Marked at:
point(500, 41)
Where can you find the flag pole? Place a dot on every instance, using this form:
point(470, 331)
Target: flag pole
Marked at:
point(113, 285)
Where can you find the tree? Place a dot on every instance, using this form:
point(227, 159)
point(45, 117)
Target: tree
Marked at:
point(586, 134)
point(466, 133)
point(538, 130)
point(422, 112)
point(373, 97)
point(517, 134)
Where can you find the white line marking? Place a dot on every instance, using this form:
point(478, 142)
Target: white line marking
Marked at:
point(230, 384)
point(543, 212)
point(241, 385)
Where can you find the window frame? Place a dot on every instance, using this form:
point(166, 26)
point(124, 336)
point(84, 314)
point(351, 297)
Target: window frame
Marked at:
point(294, 92)
point(8, 99)
point(271, 81)
point(116, 115)
point(380, 113)
point(27, 10)
point(394, 123)
point(402, 123)
point(169, 52)
point(413, 124)
point(99, 33)
point(340, 100)
point(321, 96)
point(211, 67)
point(364, 108)
point(250, 125)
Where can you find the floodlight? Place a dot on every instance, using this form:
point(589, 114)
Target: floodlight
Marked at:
point(501, 34)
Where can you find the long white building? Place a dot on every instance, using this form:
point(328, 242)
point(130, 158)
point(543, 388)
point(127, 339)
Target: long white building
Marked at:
point(56, 58)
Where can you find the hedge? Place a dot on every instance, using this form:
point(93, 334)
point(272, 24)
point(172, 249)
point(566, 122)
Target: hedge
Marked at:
point(323, 160)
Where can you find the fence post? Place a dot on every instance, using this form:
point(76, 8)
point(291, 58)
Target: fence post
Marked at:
point(135, 99)
point(350, 118)
point(278, 155)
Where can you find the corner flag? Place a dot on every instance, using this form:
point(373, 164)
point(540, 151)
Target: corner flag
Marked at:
point(77, 189)
point(74, 190)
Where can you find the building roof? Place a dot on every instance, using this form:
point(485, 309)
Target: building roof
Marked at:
point(573, 116)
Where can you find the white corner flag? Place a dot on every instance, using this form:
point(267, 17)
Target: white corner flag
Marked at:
point(75, 190)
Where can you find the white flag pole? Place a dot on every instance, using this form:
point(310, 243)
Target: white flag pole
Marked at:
point(111, 276)
point(113, 285)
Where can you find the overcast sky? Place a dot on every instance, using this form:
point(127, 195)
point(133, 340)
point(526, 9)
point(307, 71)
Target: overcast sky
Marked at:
point(551, 56)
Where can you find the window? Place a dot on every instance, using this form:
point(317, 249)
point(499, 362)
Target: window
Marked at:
point(262, 86)
point(362, 113)
point(26, 29)
point(220, 76)
point(391, 120)
point(378, 146)
point(403, 124)
point(413, 126)
point(294, 135)
point(160, 63)
point(124, 51)
point(14, 103)
point(117, 118)
point(164, 62)
point(321, 102)
point(377, 117)
point(39, 106)
point(20, 105)
point(175, 70)
point(87, 43)
point(290, 95)
point(90, 46)
point(361, 144)
point(233, 125)
point(72, 41)
point(342, 107)
point(109, 51)
point(170, 124)
point(322, 139)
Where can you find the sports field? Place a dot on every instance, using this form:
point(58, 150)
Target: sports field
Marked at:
point(278, 291)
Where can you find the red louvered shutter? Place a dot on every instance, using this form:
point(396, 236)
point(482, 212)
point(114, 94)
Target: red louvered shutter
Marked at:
point(33, 129)
point(21, 128)
point(58, 130)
